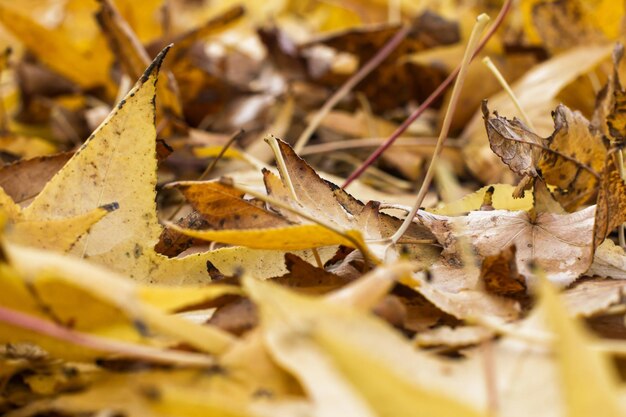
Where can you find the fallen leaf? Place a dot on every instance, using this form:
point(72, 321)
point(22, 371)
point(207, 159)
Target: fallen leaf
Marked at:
point(499, 273)
point(572, 138)
point(317, 341)
point(223, 207)
point(119, 160)
point(536, 92)
point(24, 179)
point(611, 205)
point(588, 381)
point(513, 142)
point(89, 68)
point(560, 243)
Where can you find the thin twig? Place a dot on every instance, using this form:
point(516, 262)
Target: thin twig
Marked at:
point(479, 26)
point(376, 60)
point(408, 142)
point(427, 103)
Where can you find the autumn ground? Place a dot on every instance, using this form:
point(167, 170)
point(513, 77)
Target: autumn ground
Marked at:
point(312, 208)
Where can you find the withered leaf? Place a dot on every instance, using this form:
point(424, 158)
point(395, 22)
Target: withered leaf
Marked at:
point(513, 142)
point(611, 206)
point(572, 138)
point(560, 243)
point(223, 206)
point(499, 273)
point(172, 243)
point(23, 180)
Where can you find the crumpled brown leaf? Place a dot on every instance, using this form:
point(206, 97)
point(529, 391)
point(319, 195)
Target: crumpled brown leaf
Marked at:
point(573, 137)
point(513, 142)
point(569, 159)
point(499, 273)
point(611, 206)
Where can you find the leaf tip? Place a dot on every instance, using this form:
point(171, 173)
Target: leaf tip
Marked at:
point(154, 67)
point(111, 206)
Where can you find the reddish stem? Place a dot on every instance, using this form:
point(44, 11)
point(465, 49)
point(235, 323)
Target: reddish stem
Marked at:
point(426, 104)
point(56, 331)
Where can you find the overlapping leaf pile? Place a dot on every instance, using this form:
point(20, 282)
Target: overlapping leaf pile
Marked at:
point(135, 281)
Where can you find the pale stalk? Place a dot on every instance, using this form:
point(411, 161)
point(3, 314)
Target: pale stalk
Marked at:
point(282, 168)
point(479, 26)
point(525, 180)
point(372, 142)
point(281, 165)
point(505, 85)
point(349, 85)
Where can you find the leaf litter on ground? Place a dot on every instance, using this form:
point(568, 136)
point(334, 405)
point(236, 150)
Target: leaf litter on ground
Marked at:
point(135, 281)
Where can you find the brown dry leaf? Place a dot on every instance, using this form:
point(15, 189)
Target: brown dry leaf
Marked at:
point(237, 317)
point(24, 179)
point(119, 160)
point(608, 116)
point(513, 142)
point(572, 138)
point(611, 206)
point(568, 159)
point(421, 314)
point(536, 92)
point(322, 199)
point(223, 207)
point(309, 279)
point(499, 273)
point(172, 243)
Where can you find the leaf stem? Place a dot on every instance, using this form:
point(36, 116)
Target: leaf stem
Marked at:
point(58, 332)
point(479, 26)
point(426, 104)
point(374, 62)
